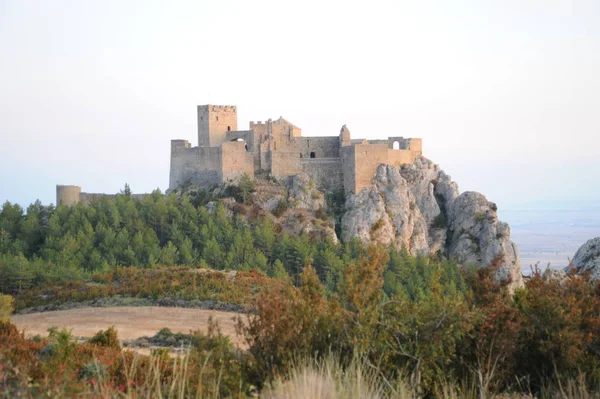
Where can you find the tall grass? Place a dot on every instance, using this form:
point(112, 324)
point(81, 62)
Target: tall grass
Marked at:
point(327, 379)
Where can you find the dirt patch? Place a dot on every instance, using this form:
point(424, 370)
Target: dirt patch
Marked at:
point(130, 322)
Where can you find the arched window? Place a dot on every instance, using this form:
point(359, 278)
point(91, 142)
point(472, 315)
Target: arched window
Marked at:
point(312, 154)
point(396, 145)
point(229, 128)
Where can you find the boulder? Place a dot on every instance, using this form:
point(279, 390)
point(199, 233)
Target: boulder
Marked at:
point(587, 259)
point(477, 237)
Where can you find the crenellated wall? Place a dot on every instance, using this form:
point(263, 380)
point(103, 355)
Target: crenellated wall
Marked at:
point(277, 147)
point(214, 121)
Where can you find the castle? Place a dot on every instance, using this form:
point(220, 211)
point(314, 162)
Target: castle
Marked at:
point(273, 148)
point(277, 148)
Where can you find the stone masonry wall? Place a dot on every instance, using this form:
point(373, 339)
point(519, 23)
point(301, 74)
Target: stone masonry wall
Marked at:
point(67, 195)
point(198, 165)
point(325, 172)
point(284, 163)
point(214, 121)
point(366, 159)
point(236, 160)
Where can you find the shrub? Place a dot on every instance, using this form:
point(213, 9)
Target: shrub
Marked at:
point(378, 224)
point(439, 222)
point(107, 338)
point(289, 323)
point(479, 216)
point(6, 307)
point(282, 206)
point(93, 371)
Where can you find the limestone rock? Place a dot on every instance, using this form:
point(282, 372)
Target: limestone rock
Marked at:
point(298, 222)
point(587, 259)
point(478, 237)
point(418, 207)
point(551, 275)
point(398, 208)
point(303, 194)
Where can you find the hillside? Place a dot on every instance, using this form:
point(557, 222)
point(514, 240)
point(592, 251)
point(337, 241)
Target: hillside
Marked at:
point(409, 279)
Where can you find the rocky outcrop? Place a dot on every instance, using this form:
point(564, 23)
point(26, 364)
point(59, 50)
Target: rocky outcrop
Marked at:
point(418, 207)
point(303, 194)
point(406, 207)
point(587, 259)
point(477, 237)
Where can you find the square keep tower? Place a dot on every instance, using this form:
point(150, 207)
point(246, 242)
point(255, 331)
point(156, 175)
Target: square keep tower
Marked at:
point(214, 121)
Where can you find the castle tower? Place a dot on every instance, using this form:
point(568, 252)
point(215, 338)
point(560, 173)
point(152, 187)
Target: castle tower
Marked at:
point(67, 195)
point(214, 121)
point(345, 136)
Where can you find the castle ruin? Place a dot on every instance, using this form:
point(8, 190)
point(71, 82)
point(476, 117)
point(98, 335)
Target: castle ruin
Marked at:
point(277, 148)
point(71, 195)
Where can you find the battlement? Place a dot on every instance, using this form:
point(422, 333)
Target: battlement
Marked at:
point(218, 107)
point(277, 147)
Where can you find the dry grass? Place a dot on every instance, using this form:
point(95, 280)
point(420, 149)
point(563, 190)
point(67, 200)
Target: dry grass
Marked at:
point(130, 322)
point(328, 380)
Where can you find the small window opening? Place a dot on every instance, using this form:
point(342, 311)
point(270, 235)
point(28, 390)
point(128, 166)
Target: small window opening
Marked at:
point(300, 155)
point(201, 118)
point(312, 154)
point(217, 118)
point(229, 128)
point(396, 145)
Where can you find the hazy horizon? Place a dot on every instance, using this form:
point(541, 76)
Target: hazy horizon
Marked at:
point(505, 96)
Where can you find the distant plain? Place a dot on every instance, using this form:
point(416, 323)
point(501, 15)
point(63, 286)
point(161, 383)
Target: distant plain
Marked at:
point(551, 232)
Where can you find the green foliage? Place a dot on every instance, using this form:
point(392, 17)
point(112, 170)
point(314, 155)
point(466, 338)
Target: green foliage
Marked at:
point(107, 338)
point(336, 203)
point(440, 221)
point(378, 224)
point(242, 191)
point(176, 285)
point(7, 306)
point(93, 371)
point(282, 206)
point(165, 337)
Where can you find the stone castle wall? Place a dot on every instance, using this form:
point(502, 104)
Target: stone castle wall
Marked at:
point(214, 121)
point(277, 147)
point(67, 195)
point(325, 172)
point(197, 165)
point(71, 195)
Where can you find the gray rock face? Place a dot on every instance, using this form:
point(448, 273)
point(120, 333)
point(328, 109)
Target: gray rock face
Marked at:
point(587, 259)
point(479, 238)
point(418, 207)
point(303, 193)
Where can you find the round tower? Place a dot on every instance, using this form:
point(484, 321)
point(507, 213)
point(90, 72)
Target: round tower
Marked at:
point(67, 195)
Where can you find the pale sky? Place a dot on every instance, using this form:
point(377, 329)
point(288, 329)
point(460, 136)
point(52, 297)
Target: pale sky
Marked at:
point(505, 94)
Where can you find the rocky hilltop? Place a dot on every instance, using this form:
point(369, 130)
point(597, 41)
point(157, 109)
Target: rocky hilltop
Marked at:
point(419, 207)
point(587, 259)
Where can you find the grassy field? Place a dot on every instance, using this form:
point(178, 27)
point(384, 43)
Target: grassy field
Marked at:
point(130, 322)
